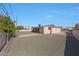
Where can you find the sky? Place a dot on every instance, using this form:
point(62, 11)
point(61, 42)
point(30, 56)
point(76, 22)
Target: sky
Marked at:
point(31, 14)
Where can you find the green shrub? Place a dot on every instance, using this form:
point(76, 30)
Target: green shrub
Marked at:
point(7, 25)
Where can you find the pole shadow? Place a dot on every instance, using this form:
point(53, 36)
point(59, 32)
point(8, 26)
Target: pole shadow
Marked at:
point(71, 46)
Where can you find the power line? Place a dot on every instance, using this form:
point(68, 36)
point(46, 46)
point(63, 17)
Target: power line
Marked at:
point(3, 9)
point(15, 17)
point(7, 13)
point(11, 9)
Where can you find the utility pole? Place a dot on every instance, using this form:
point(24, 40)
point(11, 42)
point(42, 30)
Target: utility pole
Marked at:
point(16, 22)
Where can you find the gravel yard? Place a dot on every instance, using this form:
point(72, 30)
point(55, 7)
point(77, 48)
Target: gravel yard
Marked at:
point(40, 45)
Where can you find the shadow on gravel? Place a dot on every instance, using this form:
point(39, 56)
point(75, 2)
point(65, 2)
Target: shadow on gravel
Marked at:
point(72, 46)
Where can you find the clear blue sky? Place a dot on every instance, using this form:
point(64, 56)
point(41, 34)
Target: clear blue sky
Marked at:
point(57, 14)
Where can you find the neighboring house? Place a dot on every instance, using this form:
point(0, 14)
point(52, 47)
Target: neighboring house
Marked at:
point(46, 29)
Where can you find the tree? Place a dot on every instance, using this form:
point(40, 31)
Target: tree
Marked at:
point(20, 27)
point(7, 25)
point(77, 26)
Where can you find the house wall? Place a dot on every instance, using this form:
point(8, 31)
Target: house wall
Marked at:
point(46, 30)
point(53, 30)
point(56, 30)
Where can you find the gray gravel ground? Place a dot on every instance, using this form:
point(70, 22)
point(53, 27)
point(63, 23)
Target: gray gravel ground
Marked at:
point(40, 45)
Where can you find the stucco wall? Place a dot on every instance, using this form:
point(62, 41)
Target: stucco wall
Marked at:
point(76, 34)
point(46, 31)
point(53, 30)
point(56, 30)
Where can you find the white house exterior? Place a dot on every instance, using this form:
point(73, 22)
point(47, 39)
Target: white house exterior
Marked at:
point(48, 29)
point(56, 30)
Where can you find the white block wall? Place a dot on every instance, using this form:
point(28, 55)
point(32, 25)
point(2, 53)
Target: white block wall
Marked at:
point(46, 31)
point(56, 30)
point(76, 34)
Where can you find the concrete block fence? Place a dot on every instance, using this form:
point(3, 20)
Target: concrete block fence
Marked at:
point(3, 40)
point(76, 34)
